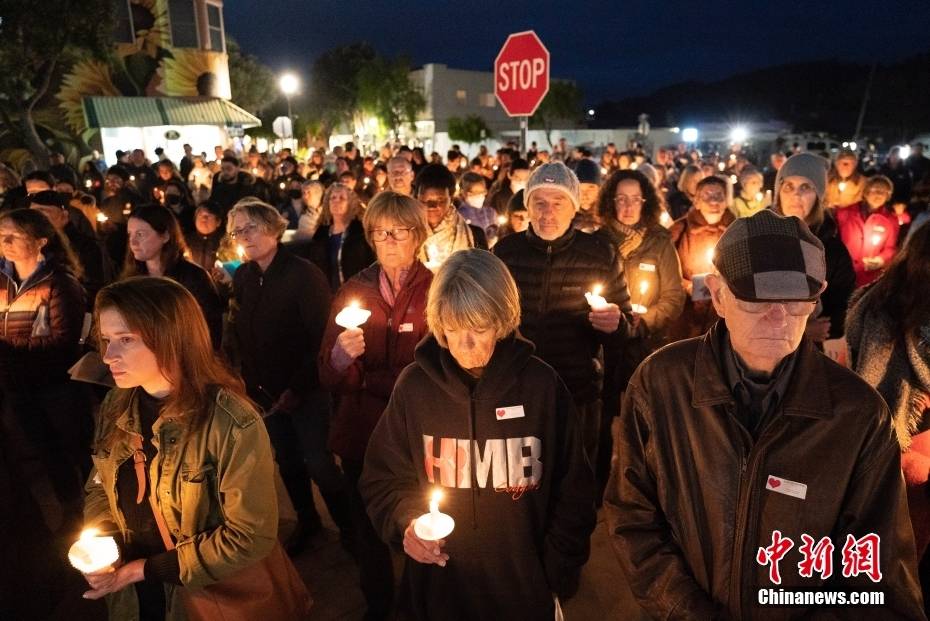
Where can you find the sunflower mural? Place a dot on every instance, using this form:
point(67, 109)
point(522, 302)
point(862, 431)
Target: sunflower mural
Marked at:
point(148, 66)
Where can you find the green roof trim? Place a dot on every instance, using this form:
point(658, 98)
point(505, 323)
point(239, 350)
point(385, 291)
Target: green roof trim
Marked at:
point(156, 111)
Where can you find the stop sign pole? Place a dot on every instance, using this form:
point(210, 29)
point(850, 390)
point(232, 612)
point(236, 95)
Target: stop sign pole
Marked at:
point(521, 77)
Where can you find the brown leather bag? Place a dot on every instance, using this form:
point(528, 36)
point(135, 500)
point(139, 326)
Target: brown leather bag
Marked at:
point(270, 589)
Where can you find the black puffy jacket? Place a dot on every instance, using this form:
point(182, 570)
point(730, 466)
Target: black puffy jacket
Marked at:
point(552, 277)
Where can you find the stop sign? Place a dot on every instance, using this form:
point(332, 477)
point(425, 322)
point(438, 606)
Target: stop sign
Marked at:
point(521, 73)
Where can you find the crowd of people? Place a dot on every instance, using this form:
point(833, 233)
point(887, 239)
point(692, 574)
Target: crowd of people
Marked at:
point(673, 334)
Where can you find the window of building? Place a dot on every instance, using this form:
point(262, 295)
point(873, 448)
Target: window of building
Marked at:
point(124, 32)
point(461, 96)
point(488, 100)
point(183, 18)
point(215, 27)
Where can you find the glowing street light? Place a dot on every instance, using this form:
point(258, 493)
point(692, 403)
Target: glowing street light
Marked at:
point(289, 85)
point(739, 134)
point(689, 134)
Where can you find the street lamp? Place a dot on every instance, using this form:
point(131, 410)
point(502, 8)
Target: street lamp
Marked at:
point(289, 84)
point(689, 135)
point(739, 135)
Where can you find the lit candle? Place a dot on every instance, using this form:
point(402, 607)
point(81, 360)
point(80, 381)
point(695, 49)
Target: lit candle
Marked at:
point(876, 239)
point(759, 197)
point(595, 300)
point(132, 177)
point(254, 171)
point(127, 208)
point(92, 553)
point(665, 219)
point(842, 186)
point(88, 184)
point(433, 258)
point(733, 179)
point(102, 217)
point(367, 180)
point(281, 185)
point(721, 166)
point(710, 258)
point(434, 525)
point(352, 316)
point(603, 170)
point(501, 220)
point(634, 166)
point(641, 309)
point(240, 251)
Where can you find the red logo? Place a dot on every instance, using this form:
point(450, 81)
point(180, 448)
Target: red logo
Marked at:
point(774, 482)
point(501, 412)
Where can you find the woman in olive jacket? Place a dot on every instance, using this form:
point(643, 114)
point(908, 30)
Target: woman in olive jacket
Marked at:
point(183, 471)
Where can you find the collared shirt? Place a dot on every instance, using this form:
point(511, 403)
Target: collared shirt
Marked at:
point(756, 398)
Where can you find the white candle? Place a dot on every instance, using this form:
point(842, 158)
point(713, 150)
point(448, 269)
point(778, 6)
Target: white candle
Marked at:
point(665, 219)
point(876, 239)
point(352, 316)
point(733, 179)
point(595, 300)
point(92, 553)
point(88, 184)
point(842, 186)
point(721, 166)
point(434, 525)
point(759, 197)
point(434, 509)
point(433, 260)
point(102, 217)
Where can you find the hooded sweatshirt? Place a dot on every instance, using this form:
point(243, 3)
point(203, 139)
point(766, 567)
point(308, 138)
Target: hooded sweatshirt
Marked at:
point(523, 516)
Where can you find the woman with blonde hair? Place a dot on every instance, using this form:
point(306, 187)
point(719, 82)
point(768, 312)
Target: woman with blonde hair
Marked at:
point(340, 248)
point(479, 417)
point(279, 308)
point(183, 469)
point(361, 365)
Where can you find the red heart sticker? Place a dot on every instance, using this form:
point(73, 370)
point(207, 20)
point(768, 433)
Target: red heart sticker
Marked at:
point(501, 412)
point(773, 482)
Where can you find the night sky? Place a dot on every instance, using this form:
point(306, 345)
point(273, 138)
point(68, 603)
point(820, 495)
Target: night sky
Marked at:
point(610, 52)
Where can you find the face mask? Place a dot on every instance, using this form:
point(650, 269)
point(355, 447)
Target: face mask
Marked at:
point(295, 193)
point(476, 200)
point(172, 199)
point(516, 186)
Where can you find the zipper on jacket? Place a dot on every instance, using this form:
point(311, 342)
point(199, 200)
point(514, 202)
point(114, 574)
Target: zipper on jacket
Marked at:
point(744, 503)
point(17, 292)
point(473, 475)
point(547, 277)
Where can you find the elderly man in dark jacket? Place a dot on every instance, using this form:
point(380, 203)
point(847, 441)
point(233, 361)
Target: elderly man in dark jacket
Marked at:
point(747, 448)
point(554, 266)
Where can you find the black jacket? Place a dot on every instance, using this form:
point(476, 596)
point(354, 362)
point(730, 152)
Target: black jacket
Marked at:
point(693, 497)
point(356, 254)
point(552, 277)
point(523, 516)
point(98, 270)
point(228, 194)
point(278, 321)
point(841, 277)
point(203, 247)
point(196, 280)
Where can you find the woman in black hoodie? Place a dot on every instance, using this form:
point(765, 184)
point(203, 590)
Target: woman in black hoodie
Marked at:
point(476, 395)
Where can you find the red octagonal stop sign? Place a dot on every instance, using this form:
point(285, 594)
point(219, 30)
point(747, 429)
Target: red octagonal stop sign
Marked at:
point(521, 73)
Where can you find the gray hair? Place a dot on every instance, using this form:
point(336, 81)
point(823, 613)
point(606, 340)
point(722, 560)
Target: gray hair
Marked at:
point(400, 208)
point(261, 213)
point(473, 290)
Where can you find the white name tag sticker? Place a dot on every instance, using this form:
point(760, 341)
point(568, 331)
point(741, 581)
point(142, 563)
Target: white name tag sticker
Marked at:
point(405, 327)
point(786, 487)
point(513, 411)
point(647, 267)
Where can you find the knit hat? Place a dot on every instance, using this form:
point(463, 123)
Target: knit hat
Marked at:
point(588, 171)
point(805, 165)
point(554, 175)
point(771, 257)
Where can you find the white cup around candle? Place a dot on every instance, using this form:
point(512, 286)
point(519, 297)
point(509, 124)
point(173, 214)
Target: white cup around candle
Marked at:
point(352, 316)
point(92, 553)
point(434, 525)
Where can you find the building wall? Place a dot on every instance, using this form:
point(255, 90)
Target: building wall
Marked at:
point(459, 93)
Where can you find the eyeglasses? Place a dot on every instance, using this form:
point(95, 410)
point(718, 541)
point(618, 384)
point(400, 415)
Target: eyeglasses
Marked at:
point(440, 203)
point(381, 235)
point(794, 308)
point(245, 231)
point(623, 200)
point(712, 197)
point(804, 188)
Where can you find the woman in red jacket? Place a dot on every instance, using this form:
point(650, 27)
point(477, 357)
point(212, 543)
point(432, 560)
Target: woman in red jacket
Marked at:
point(869, 229)
point(360, 365)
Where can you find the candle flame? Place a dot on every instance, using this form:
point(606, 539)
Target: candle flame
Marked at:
point(710, 255)
point(876, 239)
point(643, 287)
point(501, 220)
point(759, 197)
point(240, 251)
point(102, 217)
point(436, 496)
point(597, 289)
point(89, 533)
point(721, 166)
